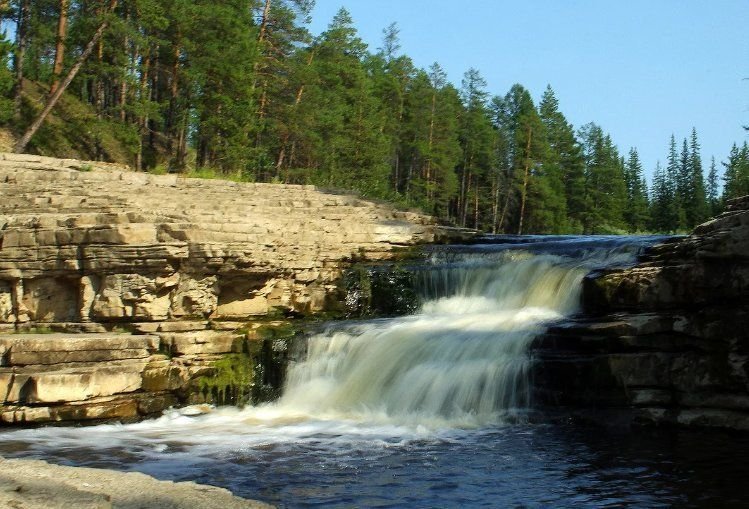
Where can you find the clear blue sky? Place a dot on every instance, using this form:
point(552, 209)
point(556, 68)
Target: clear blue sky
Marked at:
point(642, 69)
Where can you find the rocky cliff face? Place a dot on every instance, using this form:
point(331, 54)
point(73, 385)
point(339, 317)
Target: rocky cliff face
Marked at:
point(182, 263)
point(666, 341)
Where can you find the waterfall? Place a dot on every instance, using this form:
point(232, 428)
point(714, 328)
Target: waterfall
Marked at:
point(463, 358)
point(461, 362)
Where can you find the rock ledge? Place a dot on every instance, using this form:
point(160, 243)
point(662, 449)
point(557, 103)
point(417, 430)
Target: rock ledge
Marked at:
point(32, 484)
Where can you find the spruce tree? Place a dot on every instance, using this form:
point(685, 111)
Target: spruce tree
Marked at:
point(675, 219)
point(349, 148)
point(737, 172)
point(392, 76)
point(697, 208)
point(564, 166)
point(712, 194)
point(661, 202)
point(605, 190)
point(636, 213)
point(476, 140)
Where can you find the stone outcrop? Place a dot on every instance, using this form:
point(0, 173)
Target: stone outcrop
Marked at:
point(82, 243)
point(31, 484)
point(76, 377)
point(181, 264)
point(665, 341)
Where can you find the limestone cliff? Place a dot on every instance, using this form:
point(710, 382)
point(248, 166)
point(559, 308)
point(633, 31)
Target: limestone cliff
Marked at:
point(183, 263)
point(666, 341)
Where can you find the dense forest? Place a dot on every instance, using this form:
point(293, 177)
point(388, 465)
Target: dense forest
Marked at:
point(242, 89)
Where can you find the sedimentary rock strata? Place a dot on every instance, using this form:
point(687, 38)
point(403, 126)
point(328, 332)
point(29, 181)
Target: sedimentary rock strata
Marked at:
point(81, 243)
point(668, 340)
point(181, 263)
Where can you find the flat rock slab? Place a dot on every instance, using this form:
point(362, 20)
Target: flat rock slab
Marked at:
point(57, 348)
point(61, 342)
point(32, 484)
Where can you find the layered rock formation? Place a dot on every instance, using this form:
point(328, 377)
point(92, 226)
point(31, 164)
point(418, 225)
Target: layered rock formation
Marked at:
point(182, 263)
point(666, 341)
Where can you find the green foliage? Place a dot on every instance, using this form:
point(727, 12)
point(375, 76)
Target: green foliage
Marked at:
point(373, 292)
point(7, 81)
point(605, 187)
point(712, 190)
point(242, 91)
point(231, 381)
point(737, 172)
point(636, 212)
point(680, 199)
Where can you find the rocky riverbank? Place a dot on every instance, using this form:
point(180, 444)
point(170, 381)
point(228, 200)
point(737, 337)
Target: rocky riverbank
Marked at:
point(665, 342)
point(124, 293)
point(30, 484)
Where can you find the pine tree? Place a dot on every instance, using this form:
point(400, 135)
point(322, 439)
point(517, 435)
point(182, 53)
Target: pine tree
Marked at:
point(737, 172)
point(675, 219)
point(712, 194)
point(564, 166)
point(392, 76)
point(605, 187)
point(431, 147)
point(476, 140)
point(279, 73)
point(636, 213)
point(697, 207)
point(349, 149)
point(533, 200)
point(220, 77)
point(7, 78)
point(661, 202)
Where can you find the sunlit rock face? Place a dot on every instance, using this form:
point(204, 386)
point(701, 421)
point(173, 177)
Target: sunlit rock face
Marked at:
point(82, 243)
point(183, 263)
point(667, 339)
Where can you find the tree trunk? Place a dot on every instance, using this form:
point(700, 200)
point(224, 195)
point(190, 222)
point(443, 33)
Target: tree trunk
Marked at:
point(526, 176)
point(18, 61)
point(36, 124)
point(260, 38)
point(464, 211)
point(62, 30)
point(99, 96)
point(476, 207)
point(285, 138)
point(430, 193)
point(495, 204)
point(145, 96)
point(264, 21)
point(173, 120)
point(122, 99)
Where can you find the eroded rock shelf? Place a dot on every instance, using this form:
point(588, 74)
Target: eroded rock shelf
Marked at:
point(89, 251)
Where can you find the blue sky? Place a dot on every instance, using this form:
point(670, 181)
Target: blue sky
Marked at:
point(642, 69)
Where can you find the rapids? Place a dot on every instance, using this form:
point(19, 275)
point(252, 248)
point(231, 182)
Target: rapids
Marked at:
point(425, 410)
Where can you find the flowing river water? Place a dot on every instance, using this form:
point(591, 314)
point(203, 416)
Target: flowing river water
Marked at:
point(426, 410)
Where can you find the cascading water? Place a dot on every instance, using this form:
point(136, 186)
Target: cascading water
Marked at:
point(461, 360)
point(422, 410)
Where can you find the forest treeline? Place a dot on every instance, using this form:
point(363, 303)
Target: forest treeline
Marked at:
point(242, 89)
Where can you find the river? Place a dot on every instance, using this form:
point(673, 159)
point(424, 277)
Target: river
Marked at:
point(428, 410)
